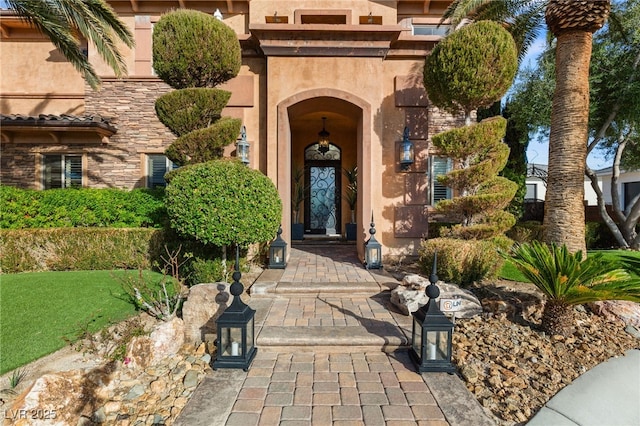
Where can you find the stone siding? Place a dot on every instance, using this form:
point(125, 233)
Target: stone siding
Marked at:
point(129, 104)
point(116, 162)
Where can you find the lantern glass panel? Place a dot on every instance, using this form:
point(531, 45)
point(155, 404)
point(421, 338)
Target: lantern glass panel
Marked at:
point(406, 153)
point(277, 254)
point(416, 340)
point(250, 326)
point(243, 152)
point(372, 256)
point(437, 345)
point(231, 342)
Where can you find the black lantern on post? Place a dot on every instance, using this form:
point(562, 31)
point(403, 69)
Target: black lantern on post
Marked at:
point(236, 329)
point(406, 151)
point(373, 249)
point(242, 147)
point(432, 333)
point(278, 252)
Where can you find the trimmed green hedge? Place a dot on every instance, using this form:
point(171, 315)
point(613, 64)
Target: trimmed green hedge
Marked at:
point(67, 249)
point(89, 249)
point(82, 207)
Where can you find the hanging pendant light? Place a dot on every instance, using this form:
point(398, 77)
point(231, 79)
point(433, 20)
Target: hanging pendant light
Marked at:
point(323, 138)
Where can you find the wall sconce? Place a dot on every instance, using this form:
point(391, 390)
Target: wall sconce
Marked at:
point(406, 151)
point(218, 15)
point(242, 147)
point(323, 138)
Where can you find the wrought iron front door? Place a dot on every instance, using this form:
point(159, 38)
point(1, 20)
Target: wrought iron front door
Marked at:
point(322, 203)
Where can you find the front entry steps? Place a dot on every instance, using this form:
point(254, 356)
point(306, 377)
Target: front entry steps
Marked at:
point(329, 324)
point(268, 284)
point(328, 315)
point(383, 337)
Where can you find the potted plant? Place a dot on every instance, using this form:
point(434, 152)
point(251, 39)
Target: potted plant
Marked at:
point(297, 197)
point(351, 197)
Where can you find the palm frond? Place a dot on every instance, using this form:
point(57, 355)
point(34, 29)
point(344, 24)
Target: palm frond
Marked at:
point(567, 277)
point(62, 20)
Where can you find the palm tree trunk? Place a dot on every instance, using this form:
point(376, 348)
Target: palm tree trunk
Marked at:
point(564, 206)
point(573, 23)
point(557, 318)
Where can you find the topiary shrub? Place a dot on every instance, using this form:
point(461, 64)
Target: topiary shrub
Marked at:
point(478, 154)
point(223, 202)
point(471, 68)
point(463, 262)
point(526, 232)
point(205, 144)
point(186, 110)
point(193, 49)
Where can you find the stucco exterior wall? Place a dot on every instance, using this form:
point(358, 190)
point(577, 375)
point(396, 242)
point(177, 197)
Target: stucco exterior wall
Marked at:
point(367, 96)
point(36, 77)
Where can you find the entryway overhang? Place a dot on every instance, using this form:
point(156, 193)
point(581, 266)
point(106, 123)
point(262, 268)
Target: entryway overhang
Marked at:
point(54, 126)
point(325, 39)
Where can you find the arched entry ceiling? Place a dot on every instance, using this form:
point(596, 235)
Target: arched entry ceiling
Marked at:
point(342, 116)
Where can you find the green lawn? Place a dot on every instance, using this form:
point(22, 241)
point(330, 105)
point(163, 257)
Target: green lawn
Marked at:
point(38, 309)
point(509, 272)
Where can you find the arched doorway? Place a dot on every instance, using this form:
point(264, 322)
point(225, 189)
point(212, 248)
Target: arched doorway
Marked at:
point(323, 195)
point(349, 121)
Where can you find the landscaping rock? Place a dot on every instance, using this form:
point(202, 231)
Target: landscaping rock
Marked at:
point(618, 310)
point(167, 338)
point(410, 296)
point(62, 398)
point(201, 310)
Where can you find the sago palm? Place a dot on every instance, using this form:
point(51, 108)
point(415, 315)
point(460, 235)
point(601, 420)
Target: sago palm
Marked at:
point(65, 21)
point(566, 279)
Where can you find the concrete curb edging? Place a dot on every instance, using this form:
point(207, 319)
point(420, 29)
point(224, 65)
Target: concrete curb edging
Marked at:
point(458, 405)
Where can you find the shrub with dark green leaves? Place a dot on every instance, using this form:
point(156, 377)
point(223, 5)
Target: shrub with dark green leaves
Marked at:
point(205, 144)
point(186, 110)
point(81, 207)
point(223, 202)
point(464, 262)
point(194, 49)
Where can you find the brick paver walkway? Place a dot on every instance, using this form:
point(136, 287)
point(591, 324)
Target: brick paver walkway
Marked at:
point(329, 379)
point(338, 264)
point(326, 311)
point(334, 389)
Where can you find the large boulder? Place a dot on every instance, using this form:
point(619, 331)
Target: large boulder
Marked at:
point(410, 296)
point(201, 310)
point(165, 340)
point(66, 398)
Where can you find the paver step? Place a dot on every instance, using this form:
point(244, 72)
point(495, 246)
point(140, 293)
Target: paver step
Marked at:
point(266, 288)
point(379, 336)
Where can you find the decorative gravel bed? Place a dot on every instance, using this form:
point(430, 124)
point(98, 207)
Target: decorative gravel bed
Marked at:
point(512, 368)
